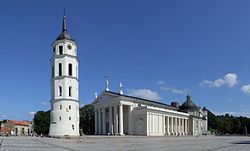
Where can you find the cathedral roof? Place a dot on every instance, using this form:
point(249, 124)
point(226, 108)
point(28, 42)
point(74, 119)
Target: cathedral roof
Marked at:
point(188, 104)
point(64, 34)
point(145, 101)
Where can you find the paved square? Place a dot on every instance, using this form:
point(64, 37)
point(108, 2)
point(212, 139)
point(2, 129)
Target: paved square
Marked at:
point(126, 143)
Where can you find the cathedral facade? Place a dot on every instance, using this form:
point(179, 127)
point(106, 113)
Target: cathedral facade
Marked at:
point(119, 114)
point(64, 120)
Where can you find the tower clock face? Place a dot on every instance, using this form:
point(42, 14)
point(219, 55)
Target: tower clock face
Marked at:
point(69, 46)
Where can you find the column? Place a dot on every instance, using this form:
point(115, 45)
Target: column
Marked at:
point(120, 119)
point(163, 125)
point(175, 126)
point(99, 121)
point(110, 121)
point(130, 120)
point(182, 127)
point(179, 126)
point(103, 122)
point(115, 120)
point(96, 127)
point(168, 124)
point(186, 126)
point(172, 126)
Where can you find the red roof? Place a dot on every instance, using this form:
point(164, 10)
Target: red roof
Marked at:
point(5, 130)
point(23, 123)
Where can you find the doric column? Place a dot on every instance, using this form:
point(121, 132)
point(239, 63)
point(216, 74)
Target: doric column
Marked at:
point(99, 121)
point(115, 120)
point(183, 127)
point(163, 125)
point(179, 126)
point(103, 121)
point(175, 126)
point(96, 127)
point(168, 124)
point(130, 120)
point(120, 119)
point(186, 126)
point(172, 125)
point(110, 121)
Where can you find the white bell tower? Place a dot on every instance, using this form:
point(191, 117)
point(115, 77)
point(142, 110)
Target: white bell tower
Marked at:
point(64, 114)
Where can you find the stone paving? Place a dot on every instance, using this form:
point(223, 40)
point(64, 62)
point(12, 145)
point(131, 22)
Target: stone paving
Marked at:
point(127, 143)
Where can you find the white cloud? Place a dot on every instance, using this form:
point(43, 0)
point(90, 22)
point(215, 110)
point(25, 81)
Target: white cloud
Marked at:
point(145, 93)
point(44, 103)
point(229, 80)
point(32, 113)
point(246, 88)
point(160, 82)
point(3, 116)
point(175, 90)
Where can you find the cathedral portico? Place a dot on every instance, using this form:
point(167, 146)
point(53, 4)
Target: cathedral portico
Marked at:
point(127, 115)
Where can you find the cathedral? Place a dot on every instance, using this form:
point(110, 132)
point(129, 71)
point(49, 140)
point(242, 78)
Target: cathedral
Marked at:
point(119, 114)
point(115, 113)
point(64, 120)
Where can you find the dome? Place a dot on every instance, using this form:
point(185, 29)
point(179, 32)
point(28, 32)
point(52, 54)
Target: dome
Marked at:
point(64, 35)
point(188, 104)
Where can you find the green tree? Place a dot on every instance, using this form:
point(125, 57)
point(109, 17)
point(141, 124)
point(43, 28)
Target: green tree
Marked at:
point(236, 126)
point(212, 121)
point(87, 119)
point(41, 122)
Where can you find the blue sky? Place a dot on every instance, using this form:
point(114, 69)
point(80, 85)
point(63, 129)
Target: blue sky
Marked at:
point(160, 49)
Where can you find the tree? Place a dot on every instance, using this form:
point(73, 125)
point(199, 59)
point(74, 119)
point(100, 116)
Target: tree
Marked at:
point(41, 122)
point(212, 121)
point(87, 119)
point(236, 126)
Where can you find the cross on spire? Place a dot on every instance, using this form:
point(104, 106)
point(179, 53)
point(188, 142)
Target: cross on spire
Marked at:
point(64, 12)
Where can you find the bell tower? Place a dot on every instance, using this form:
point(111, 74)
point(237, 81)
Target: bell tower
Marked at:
point(64, 114)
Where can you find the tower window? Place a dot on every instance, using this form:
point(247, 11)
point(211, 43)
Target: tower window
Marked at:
point(70, 91)
point(70, 69)
point(60, 107)
point(53, 73)
point(73, 127)
point(60, 50)
point(60, 118)
point(69, 107)
point(70, 118)
point(60, 91)
point(54, 50)
point(60, 69)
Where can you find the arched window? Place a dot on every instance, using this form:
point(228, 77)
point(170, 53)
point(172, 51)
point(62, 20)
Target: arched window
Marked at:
point(60, 91)
point(73, 127)
point(60, 50)
point(69, 107)
point(60, 118)
point(54, 50)
point(70, 118)
point(70, 69)
point(60, 107)
point(52, 72)
point(60, 69)
point(70, 91)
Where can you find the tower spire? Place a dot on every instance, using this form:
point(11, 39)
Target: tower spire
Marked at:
point(64, 28)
